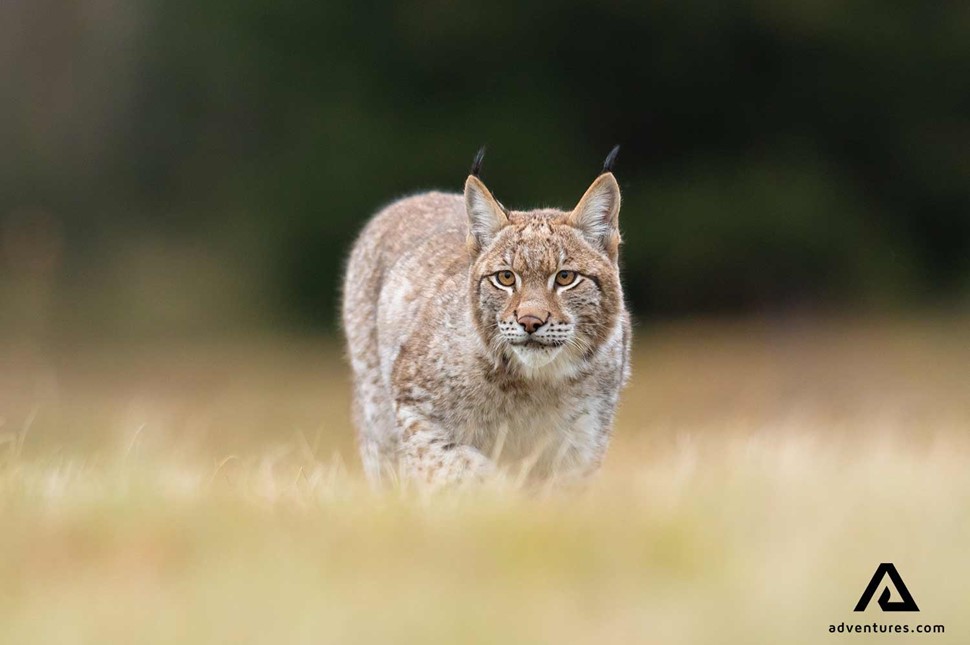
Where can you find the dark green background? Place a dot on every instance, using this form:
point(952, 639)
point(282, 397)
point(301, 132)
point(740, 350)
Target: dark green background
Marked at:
point(206, 163)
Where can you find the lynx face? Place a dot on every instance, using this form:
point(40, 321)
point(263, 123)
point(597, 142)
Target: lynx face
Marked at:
point(545, 284)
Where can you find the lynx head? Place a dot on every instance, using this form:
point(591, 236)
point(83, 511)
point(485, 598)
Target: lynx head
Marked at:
point(545, 286)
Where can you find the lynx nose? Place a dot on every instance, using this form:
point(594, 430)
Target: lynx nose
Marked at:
point(530, 323)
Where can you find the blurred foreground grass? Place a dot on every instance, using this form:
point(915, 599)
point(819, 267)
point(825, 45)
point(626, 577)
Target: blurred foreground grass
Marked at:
point(761, 470)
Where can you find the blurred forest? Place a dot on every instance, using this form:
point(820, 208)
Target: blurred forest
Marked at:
point(183, 167)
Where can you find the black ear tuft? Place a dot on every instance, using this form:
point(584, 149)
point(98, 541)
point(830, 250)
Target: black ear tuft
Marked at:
point(477, 162)
point(611, 159)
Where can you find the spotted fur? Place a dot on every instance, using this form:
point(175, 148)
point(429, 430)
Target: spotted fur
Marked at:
point(449, 384)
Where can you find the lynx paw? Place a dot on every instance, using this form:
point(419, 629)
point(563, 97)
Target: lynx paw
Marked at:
point(452, 465)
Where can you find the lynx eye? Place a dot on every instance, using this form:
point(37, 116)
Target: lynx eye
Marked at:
point(565, 278)
point(505, 278)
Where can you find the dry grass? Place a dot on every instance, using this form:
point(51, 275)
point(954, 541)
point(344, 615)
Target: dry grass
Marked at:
point(760, 472)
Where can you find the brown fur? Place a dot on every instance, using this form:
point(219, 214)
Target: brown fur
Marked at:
point(448, 384)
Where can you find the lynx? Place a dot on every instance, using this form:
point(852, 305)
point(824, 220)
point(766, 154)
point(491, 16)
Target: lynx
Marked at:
point(485, 340)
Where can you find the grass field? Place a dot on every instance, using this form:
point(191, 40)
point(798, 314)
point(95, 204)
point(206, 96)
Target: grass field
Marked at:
point(210, 492)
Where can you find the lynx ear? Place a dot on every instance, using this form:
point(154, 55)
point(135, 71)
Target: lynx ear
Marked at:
point(485, 216)
point(596, 215)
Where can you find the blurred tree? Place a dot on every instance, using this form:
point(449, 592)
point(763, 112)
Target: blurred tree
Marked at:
point(813, 153)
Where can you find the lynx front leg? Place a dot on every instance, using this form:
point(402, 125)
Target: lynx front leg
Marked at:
point(430, 456)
